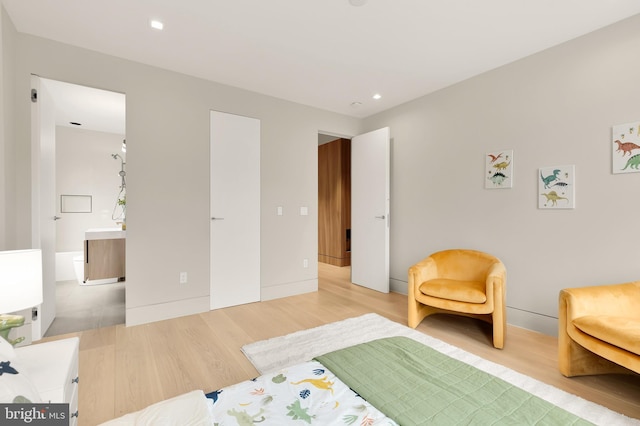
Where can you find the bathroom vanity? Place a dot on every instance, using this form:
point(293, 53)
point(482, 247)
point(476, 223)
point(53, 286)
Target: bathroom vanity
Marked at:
point(104, 253)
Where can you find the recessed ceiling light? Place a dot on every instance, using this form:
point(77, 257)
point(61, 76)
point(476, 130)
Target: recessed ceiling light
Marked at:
point(157, 24)
point(355, 104)
point(377, 96)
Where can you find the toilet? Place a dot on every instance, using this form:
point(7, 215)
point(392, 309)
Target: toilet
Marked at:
point(78, 267)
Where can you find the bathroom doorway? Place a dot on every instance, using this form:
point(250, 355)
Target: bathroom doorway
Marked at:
point(90, 197)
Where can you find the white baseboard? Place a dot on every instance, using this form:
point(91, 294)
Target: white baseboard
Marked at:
point(288, 289)
point(532, 321)
point(397, 286)
point(147, 314)
point(164, 311)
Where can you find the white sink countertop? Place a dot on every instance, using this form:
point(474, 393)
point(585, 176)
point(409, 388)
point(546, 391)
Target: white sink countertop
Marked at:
point(104, 234)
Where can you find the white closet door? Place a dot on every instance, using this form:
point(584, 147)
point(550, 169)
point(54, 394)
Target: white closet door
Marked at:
point(235, 210)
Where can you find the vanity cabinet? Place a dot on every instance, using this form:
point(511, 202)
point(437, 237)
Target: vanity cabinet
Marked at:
point(104, 259)
point(104, 254)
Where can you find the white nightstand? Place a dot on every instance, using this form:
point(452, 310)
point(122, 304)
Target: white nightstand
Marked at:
point(53, 370)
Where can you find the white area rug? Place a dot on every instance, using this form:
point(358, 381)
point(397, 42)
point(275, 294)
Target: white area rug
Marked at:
point(279, 352)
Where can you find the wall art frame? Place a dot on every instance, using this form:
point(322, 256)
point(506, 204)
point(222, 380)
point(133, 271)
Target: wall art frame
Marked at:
point(498, 169)
point(557, 187)
point(625, 148)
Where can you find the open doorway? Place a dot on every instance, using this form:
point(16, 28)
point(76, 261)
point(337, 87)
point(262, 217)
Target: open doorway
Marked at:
point(90, 204)
point(334, 200)
point(353, 206)
point(334, 207)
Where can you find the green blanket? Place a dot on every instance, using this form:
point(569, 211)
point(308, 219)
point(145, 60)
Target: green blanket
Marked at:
point(414, 385)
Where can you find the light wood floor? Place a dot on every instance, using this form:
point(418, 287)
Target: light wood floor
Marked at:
point(124, 369)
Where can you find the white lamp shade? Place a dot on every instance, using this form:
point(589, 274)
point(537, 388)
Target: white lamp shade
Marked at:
point(20, 280)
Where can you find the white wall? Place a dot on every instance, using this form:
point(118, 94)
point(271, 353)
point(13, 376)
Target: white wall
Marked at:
point(168, 173)
point(84, 166)
point(7, 132)
point(3, 84)
point(553, 108)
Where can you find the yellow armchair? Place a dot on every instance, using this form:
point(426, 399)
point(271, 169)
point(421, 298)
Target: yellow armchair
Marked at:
point(462, 282)
point(599, 329)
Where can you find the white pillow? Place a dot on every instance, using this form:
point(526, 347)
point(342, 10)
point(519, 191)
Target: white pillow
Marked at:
point(191, 408)
point(15, 386)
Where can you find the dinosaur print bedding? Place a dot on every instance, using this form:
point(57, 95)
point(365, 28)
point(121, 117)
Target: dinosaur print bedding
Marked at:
point(302, 394)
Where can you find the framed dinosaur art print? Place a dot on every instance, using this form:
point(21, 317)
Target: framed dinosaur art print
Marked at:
point(557, 187)
point(625, 148)
point(498, 166)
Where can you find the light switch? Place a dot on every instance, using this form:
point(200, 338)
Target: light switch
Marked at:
point(279, 210)
point(304, 211)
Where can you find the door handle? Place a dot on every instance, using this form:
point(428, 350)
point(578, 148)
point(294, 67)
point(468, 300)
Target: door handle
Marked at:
point(57, 218)
point(380, 217)
point(217, 218)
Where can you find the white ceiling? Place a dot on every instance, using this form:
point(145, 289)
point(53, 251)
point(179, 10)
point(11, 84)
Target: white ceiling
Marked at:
point(92, 109)
point(322, 53)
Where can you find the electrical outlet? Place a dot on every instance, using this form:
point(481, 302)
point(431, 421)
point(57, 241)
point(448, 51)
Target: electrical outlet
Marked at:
point(305, 263)
point(183, 277)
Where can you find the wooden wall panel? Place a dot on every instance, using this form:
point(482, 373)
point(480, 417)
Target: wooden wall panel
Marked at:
point(334, 202)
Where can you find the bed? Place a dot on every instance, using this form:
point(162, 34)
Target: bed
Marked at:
point(389, 381)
